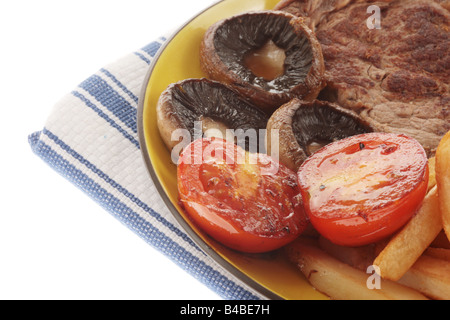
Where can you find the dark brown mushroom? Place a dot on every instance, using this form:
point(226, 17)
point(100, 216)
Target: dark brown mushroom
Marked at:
point(212, 106)
point(270, 57)
point(305, 127)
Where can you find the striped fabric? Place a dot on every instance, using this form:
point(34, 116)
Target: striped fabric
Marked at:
point(91, 139)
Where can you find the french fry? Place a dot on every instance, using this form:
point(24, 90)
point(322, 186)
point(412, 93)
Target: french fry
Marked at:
point(358, 257)
point(438, 253)
point(443, 180)
point(431, 276)
point(432, 169)
point(408, 245)
point(339, 281)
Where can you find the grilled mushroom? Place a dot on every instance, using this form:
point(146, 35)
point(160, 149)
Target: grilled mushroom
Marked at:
point(270, 57)
point(305, 127)
point(202, 107)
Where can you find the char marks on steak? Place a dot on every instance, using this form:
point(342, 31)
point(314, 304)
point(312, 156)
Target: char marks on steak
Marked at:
point(396, 77)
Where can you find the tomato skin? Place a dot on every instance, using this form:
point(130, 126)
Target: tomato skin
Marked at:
point(364, 188)
point(235, 204)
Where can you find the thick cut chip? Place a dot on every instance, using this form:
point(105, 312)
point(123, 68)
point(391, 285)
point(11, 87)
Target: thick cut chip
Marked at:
point(340, 281)
point(409, 244)
point(443, 180)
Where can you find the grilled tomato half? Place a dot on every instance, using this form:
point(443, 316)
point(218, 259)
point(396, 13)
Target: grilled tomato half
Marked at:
point(246, 201)
point(362, 189)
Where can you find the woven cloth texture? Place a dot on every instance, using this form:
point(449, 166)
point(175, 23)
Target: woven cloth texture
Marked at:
point(91, 139)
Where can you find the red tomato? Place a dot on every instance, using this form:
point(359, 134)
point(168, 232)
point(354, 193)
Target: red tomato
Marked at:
point(250, 206)
point(364, 188)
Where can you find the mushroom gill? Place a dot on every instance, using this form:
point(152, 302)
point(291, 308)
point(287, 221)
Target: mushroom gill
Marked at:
point(305, 127)
point(269, 57)
point(202, 107)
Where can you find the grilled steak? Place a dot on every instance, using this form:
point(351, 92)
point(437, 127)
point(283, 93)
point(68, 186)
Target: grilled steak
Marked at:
point(396, 77)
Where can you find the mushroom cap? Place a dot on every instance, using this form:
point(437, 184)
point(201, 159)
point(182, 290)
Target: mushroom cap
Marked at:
point(185, 102)
point(301, 124)
point(227, 42)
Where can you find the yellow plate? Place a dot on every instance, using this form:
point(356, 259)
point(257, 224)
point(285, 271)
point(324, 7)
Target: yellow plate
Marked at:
point(271, 275)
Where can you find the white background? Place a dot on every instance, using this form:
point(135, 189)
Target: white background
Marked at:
point(55, 242)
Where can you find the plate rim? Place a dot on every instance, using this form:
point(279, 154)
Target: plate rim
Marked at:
point(268, 294)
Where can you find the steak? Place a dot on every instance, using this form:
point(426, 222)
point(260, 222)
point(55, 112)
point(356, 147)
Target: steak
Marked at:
point(395, 77)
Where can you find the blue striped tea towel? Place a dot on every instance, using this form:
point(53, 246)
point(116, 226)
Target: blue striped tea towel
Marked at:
point(91, 139)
